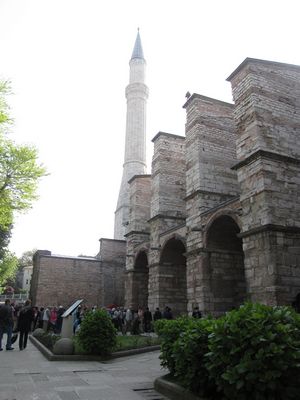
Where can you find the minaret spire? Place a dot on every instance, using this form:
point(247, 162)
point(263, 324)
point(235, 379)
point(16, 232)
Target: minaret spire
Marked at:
point(138, 49)
point(135, 141)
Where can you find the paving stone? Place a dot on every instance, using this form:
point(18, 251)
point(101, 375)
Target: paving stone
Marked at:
point(39, 379)
point(68, 395)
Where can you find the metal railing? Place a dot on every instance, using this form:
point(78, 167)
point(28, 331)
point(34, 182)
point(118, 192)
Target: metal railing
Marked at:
point(14, 296)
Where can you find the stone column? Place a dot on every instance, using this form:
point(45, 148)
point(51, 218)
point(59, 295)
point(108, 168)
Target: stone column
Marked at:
point(267, 115)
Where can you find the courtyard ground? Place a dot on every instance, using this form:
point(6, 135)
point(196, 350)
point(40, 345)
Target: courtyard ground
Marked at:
point(28, 375)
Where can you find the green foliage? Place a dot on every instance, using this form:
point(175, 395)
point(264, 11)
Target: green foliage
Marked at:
point(255, 353)
point(4, 115)
point(8, 262)
point(97, 334)
point(19, 169)
point(135, 342)
point(169, 331)
point(26, 258)
point(48, 339)
point(189, 357)
point(250, 353)
point(8, 266)
point(183, 348)
point(19, 177)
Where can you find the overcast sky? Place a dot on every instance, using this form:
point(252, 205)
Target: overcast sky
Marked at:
point(68, 64)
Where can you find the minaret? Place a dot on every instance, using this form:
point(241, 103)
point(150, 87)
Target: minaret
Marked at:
point(135, 142)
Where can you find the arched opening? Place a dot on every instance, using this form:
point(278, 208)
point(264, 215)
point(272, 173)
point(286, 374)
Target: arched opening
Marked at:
point(226, 265)
point(173, 287)
point(141, 278)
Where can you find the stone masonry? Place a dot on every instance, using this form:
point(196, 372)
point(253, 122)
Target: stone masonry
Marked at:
point(224, 220)
point(60, 280)
point(267, 114)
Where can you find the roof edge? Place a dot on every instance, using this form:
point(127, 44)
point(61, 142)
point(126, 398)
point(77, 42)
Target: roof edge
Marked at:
point(200, 96)
point(259, 61)
point(160, 133)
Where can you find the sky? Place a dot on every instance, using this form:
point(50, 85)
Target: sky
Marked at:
point(68, 63)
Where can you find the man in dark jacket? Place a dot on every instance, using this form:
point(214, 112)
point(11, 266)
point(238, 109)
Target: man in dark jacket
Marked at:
point(6, 324)
point(26, 317)
point(147, 320)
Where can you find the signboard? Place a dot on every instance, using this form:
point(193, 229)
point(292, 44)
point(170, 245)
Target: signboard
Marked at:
point(71, 309)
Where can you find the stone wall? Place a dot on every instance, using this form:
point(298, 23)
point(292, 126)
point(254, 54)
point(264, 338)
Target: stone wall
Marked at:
point(168, 213)
point(168, 175)
point(168, 188)
point(212, 189)
point(113, 259)
point(267, 114)
point(61, 280)
point(137, 242)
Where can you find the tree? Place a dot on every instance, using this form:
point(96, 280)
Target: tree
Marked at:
point(5, 120)
point(26, 258)
point(19, 176)
point(20, 173)
point(8, 267)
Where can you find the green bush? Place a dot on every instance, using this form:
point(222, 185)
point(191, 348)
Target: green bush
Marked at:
point(169, 331)
point(255, 353)
point(97, 334)
point(189, 357)
point(47, 339)
point(250, 353)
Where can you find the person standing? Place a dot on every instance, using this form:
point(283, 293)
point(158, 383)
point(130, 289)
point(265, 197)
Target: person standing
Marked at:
point(128, 321)
point(40, 318)
point(6, 324)
point(147, 320)
point(46, 318)
point(157, 314)
point(167, 314)
point(26, 316)
point(59, 319)
point(196, 313)
point(53, 318)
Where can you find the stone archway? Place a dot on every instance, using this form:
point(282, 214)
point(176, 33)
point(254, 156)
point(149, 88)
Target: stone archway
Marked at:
point(172, 285)
point(141, 278)
point(226, 265)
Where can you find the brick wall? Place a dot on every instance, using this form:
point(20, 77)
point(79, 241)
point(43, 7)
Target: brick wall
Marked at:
point(113, 259)
point(61, 280)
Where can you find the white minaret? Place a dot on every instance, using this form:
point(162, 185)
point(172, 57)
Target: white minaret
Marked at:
point(135, 142)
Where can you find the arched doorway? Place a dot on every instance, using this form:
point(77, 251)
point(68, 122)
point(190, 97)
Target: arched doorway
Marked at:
point(172, 285)
point(141, 278)
point(226, 265)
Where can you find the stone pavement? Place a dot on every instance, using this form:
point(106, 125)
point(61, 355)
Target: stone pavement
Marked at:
point(27, 375)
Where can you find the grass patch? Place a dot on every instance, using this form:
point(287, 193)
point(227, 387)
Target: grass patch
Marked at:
point(123, 342)
point(48, 340)
point(135, 342)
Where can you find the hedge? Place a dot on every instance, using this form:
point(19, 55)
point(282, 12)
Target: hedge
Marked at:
point(249, 353)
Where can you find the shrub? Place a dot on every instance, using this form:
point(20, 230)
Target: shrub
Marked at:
point(97, 334)
point(189, 357)
point(46, 338)
point(169, 331)
point(255, 353)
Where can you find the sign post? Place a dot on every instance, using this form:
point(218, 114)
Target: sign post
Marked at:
point(67, 325)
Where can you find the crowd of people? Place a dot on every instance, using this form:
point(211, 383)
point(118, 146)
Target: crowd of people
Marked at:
point(23, 318)
point(17, 320)
point(127, 320)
